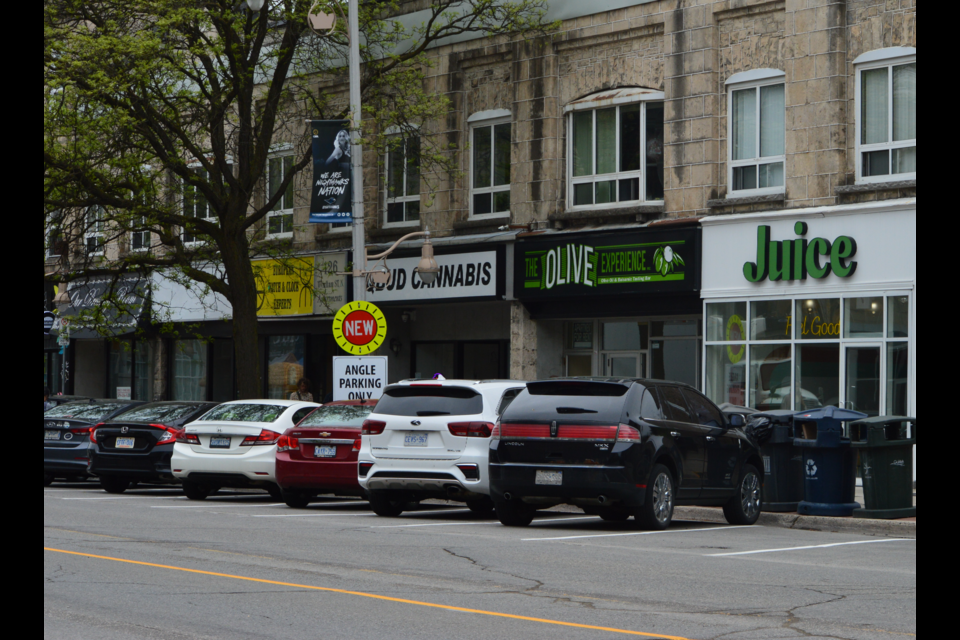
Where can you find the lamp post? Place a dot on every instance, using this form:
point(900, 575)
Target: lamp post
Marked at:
point(359, 241)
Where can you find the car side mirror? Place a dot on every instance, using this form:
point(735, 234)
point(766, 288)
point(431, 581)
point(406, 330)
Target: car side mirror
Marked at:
point(737, 421)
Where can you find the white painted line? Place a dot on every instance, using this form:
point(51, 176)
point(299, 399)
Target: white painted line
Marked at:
point(816, 546)
point(637, 533)
point(317, 515)
point(217, 505)
point(471, 524)
point(104, 498)
point(314, 505)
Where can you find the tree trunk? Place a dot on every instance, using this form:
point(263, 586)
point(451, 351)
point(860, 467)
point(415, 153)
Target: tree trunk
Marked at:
point(243, 298)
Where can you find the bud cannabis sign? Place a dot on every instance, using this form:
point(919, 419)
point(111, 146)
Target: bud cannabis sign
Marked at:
point(642, 261)
point(796, 259)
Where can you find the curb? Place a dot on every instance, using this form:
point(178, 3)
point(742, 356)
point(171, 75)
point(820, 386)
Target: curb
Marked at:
point(862, 526)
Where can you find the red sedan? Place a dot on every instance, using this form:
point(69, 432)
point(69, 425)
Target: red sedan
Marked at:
point(319, 455)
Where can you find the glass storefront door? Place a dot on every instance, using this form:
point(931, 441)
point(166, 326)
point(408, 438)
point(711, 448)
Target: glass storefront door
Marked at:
point(622, 364)
point(863, 378)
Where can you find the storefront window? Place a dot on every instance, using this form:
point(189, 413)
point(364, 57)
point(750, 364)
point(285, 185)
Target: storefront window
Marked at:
point(818, 319)
point(818, 376)
point(190, 370)
point(898, 320)
point(285, 365)
point(770, 376)
point(726, 374)
point(726, 322)
point(120, 369)
point(898, 378)
point(675, 328)
point(579, 335)
point(580, 365)
point(433, 358)
point(222, 371)
point(863, 379)
point(675, 360)
point(771, 320)
point(864, 318)
point(142, 371)
point(624, 336)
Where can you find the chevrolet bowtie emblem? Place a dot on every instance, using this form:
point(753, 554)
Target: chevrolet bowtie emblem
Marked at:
point(325, 434)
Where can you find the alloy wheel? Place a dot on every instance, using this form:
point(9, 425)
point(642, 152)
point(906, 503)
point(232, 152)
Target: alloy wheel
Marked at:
point(750, 495)
point(662, 498)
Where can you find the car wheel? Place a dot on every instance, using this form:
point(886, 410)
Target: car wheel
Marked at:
point(195, 491)
point(47, 479)
point(657, 510)
point(385, 507)
point(515, 513)
point(114, 484)
point(481, 506)
point(296, 500)
point(275, 492)
point(744, 508)
point(613, 514)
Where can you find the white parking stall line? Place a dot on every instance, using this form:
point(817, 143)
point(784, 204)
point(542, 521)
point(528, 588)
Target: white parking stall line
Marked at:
point(637, 533)
point(317, 515)
point(216, 505)
point(104, 498)
point(815, 546)
point(472, 524)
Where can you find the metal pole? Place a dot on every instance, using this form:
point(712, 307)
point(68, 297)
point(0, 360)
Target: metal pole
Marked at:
point(356, 154)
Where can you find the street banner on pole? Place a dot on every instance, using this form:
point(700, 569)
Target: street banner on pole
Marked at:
point(330, 201)
point(359, 378)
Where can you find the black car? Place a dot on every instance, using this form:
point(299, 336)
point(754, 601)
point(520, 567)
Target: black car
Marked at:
point(621, 448)
point(66, 435)
point(136, 446)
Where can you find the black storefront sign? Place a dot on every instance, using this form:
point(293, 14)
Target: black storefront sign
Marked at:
point(106, 305)
point(643, 261)
point(332, 191)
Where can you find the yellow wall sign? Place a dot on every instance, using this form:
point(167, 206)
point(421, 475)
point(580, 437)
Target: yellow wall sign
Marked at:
point(359, 328)
point(284, 286)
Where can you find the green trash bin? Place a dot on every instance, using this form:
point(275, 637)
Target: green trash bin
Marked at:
point(886, 446)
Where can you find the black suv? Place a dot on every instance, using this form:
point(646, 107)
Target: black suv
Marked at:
point(618, 448)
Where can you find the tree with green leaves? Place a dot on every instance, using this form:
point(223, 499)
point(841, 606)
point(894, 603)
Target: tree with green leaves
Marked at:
point(160, 117)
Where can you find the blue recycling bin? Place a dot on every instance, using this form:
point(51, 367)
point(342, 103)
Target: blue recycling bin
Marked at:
point(829, 462)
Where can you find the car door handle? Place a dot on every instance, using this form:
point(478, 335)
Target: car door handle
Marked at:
point(711, 439)
point(675, 434)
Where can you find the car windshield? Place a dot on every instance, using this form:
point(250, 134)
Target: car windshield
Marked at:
point(245, 413)
point(338, 416)
point(430, 401)
point(161, 413)
point(82, 411)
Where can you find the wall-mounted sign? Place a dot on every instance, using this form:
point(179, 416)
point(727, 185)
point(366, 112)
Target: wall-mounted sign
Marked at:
point(359, 378)
point(332, 191)
point(359, 328)
point(114, 305)
point(605, 264)
point(462, 275)
point(330, 288)
point(48, 319)
point(796, 259)
point(124, 393)
point(284, 287)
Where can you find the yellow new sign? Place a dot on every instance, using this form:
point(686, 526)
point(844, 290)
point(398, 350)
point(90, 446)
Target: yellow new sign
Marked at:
point(284, 287)
point(359, 328)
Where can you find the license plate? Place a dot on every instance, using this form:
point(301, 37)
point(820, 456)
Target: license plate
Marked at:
point(125, 443)
point(51, 435)
point(219, 443)
point(415, 440)
point(550, 477)
point(324, 452)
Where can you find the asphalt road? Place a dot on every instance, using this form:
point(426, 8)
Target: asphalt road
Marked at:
point(152, 565)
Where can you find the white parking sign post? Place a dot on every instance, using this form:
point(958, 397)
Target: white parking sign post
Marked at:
point(361, 378)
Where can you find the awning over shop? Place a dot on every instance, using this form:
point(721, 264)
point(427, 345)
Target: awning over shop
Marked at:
point(106, 306)
point(174, 301)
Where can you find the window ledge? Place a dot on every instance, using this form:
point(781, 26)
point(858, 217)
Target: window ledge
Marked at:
point(745, 200)
point(391, 233)
point(869, 187)
point(643, 210)
point(467, 226)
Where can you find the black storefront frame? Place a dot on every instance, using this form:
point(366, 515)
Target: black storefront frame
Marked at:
point(459, 347)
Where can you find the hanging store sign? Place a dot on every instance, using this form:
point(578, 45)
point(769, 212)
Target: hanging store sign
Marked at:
point(359, 328)
point(284, 287)
point(332, 190)
point(797, 259)
point(462, 275)
point(359, 378)
point(651, 261)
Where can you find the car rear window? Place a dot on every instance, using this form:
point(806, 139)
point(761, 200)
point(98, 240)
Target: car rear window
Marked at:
point(430, 401)
point(585, 403)
point(245, 413)
point(161, 413)
point(338, 416)
point(577, 388)
point(81, 411)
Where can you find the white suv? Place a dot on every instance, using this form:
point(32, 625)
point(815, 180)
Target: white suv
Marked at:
point(431, 439)
point(235, 445)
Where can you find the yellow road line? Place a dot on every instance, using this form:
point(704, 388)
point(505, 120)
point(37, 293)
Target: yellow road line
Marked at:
point(372, 596)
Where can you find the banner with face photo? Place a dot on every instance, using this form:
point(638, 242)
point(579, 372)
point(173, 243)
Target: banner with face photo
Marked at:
point(331, 200)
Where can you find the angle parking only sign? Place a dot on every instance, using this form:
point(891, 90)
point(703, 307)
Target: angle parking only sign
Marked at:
point(359, 378)
point(359, 328)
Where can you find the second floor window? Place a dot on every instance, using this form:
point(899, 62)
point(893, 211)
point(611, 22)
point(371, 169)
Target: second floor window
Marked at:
point(616, 153)
point(887, 119)
point(51, 236)
point(140, 237)
point(94, 227)
point(195, 205)
point(280, 218)
point(490, 178)
point(757, 123)
point(403, 181)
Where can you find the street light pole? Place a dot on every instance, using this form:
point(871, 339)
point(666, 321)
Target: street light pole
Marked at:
point(356, 153)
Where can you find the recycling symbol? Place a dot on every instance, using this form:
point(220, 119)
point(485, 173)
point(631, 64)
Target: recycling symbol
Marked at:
point(811, 468)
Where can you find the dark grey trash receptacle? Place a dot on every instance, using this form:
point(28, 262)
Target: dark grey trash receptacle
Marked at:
point(782, 461)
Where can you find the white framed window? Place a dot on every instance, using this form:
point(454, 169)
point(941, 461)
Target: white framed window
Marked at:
point(94, 226)
point(403, 182)
point(140, 237)
point(615, 149)
point(280, 217)
point(51, 236)
point(756, 111)
point(490, 167)
point(195, 205)
point(886, 131)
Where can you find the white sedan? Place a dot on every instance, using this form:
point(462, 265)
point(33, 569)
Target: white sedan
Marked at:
point(235, 445)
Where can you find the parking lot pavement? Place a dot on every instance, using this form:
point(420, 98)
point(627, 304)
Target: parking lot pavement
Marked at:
point(155, 565)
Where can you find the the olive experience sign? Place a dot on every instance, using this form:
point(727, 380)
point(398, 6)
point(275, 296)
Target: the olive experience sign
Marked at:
point(797, 259)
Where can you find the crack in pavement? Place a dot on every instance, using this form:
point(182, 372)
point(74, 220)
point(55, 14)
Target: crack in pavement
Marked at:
point(537, 583)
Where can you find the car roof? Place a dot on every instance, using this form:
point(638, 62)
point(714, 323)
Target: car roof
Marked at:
point(624, 381)
point(426, 382)
point(350, 403)
point(278, 402)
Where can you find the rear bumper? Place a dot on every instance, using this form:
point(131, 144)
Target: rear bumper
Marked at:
point(258, 466)
point(428, 479)
point(580, 485)
point(71, 461)
point(332, 476)
point(153, 466)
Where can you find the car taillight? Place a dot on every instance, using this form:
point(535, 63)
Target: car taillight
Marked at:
point(357, 443)
point(93, 432)
point(586, 432)
point(470, 471)
point(373, 427)
point(169, 435)
point(266, 437)
point(496, 431)
point(288, 443)
point(626, 433)
point(81, 431)
point(188, 438)
point(471, 429)
point(524, 431)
